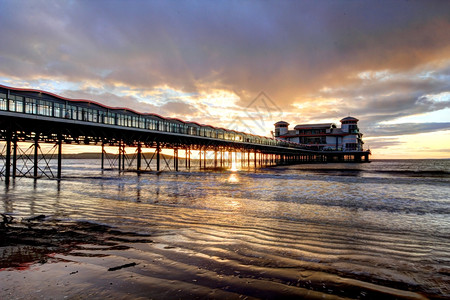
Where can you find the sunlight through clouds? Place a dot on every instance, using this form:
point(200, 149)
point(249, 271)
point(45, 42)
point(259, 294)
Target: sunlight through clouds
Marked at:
point(318, 61)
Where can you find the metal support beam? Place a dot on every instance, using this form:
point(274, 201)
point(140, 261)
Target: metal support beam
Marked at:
point(103, 155)
point(58, 175)
point(215, 158)
point(123, 156)
point(204, 160)
point(14, 162)
point(189, 158)
point(158, 157)
point(175, 159)
point(139, 156)
point(8, 156)
point(36, 154)
point(120, 156)
point(241, 158)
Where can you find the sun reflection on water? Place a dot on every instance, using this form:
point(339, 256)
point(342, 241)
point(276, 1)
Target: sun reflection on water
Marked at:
point(233, 178)
point(234, 167)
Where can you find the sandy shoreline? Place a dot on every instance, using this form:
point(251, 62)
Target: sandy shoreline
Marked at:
point(50, 258)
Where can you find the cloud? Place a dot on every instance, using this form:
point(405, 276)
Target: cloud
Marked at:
point(111, 100)
point(177, 108)
point(284, 49)
point(406, 128)
point(374, 99)
point(382, 143)
point(377, 60)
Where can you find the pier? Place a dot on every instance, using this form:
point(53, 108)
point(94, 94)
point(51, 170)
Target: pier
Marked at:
point(145, 142)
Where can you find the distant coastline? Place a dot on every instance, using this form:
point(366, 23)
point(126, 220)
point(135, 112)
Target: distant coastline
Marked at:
point(93, 155)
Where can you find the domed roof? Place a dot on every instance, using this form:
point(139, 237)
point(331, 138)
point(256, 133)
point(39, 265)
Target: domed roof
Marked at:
point(281, 123)
point(349, 119)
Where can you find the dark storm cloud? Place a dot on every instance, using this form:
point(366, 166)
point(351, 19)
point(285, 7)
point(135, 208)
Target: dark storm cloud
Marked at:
point(289, 49)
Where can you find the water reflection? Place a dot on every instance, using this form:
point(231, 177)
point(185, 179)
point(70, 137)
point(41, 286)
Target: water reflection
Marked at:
point(234, 166)
point(138, 187)
point(7, 201)
point(255, 227)
point(233, 178)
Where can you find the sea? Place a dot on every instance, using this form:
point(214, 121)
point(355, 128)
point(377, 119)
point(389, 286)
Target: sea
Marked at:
point(378, 230)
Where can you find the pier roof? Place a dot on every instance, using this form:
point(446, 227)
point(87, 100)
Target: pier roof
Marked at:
point(281, 123)
point(349, 119)
point(310, 126)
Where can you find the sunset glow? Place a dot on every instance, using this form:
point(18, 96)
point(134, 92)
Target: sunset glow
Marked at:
point(386, 63)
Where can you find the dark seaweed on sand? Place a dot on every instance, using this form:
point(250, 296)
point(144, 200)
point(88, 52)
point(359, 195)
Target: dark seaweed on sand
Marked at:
point(38, 239)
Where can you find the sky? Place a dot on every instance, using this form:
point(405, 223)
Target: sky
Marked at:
point(246, 64)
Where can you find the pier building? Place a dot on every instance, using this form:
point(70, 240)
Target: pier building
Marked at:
point(323, 136)
point(30, 117)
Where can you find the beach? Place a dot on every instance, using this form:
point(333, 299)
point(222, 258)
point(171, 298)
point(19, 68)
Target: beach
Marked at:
point(361, 231)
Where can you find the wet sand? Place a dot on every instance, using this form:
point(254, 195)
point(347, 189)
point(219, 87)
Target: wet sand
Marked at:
point(275, 233)
point(53, 259)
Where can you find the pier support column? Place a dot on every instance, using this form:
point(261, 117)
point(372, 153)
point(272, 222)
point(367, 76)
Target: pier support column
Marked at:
point(242, 159)
point(139, 156)
point(120, 156)
point(36, 154)
point(14, 162)
point(189, 158)
point(123, 156)
point(175, 159)
point(59, 156)
point(215, 158)
point(8, 156)
point(103, 155)
point(158, 157)
point(204, 159)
